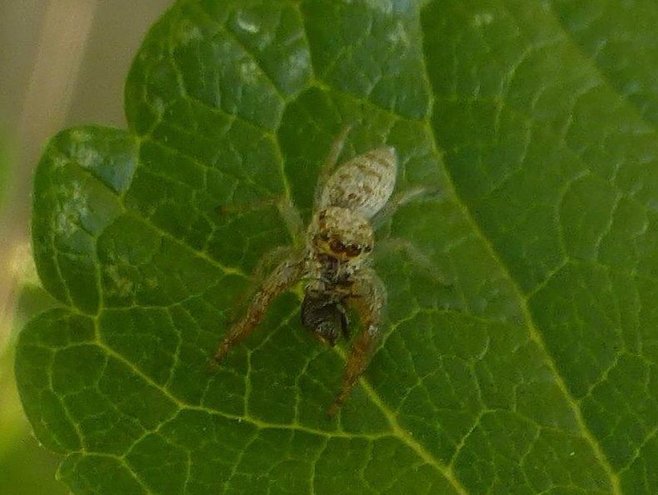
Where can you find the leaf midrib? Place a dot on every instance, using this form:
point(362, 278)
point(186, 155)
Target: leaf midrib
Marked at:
point(533, 330)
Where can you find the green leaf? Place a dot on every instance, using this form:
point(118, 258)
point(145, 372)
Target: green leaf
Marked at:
point(25, 468)
point(534, 372)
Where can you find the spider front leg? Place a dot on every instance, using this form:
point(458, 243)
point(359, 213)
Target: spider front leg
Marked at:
point(278, 281)
point(289, 214)
point(402, 198)
point(329, 163)
point(368, 298)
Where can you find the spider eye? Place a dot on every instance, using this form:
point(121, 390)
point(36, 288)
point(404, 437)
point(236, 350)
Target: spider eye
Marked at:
point(353, 250)
point(337, 246)
point(324, 236)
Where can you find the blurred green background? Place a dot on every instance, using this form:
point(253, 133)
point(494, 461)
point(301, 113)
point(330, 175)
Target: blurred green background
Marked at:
point(63, 63)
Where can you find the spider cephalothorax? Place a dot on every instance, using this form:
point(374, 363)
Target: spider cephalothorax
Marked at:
point(341, 233)
point(334, 261)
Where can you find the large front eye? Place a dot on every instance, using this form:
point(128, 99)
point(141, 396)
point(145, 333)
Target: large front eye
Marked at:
point(352, 250)
point(337, 246)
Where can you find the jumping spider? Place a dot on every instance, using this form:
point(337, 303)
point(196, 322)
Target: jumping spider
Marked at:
point(335, 261)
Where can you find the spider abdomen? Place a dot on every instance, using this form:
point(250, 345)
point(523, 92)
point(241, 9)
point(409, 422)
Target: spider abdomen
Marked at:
point(364, 184)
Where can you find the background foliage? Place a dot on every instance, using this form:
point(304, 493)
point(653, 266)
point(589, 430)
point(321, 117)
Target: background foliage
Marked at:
point(533, 372)
point(24, 466)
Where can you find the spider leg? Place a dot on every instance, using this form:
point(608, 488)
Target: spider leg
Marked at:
point(400, 199)
point(368, 299)
point(271, 259)
point(417, 257)
point(263, 268)
point(284, 205)
point(278, 281)
point(292, 219)
point(241, 208)
point(329, 163)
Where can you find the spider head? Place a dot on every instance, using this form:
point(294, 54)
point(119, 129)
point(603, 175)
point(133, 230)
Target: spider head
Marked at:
point(324, 317)
point(342, 234)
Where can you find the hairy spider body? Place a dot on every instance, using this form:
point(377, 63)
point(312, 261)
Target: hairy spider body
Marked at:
point(364, 184)
point(335, 262)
